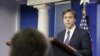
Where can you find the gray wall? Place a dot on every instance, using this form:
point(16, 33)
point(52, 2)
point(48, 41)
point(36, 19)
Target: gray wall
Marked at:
point(59, 25)
point(98, 30)
point(7, 23)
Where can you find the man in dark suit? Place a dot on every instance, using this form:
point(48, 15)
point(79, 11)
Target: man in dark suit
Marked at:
point(74, 36)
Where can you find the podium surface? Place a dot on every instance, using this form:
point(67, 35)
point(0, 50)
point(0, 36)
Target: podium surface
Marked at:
point(59, 49)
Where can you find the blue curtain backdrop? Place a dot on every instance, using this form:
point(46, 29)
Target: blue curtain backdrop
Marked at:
point(51, 20)
point(29, 18)
point(92, 13)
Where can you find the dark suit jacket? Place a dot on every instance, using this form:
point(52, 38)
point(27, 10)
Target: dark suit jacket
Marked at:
point(80, 41)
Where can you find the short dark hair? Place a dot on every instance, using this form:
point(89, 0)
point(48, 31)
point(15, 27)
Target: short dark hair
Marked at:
point(69, 10)
point(28, 42)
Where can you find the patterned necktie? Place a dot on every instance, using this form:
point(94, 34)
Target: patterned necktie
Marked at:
point(67, 39)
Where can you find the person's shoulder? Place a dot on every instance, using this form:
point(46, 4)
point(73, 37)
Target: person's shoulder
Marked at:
point(60, 34)
point(63, 31)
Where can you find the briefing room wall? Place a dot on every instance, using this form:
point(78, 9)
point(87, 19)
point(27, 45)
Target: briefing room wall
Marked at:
point(98, 30)
point(7, 24)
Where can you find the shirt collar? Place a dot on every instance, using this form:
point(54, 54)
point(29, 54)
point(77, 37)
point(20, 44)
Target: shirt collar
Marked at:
point(72, 29)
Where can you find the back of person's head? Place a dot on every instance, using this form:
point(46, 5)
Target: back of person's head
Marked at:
point(28, 42)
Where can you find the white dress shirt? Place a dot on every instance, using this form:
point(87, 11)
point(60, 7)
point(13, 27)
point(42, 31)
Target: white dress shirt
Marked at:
point(71, 33)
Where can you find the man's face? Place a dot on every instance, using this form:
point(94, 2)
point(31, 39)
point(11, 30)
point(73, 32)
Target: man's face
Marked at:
point(69, 20)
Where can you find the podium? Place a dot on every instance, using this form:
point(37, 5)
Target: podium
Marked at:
point(59, 49)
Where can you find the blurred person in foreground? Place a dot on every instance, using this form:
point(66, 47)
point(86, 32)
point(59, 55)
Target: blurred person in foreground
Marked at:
point(28, 42)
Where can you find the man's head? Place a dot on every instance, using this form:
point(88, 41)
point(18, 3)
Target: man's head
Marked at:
point(28, 42)
point(69, 18)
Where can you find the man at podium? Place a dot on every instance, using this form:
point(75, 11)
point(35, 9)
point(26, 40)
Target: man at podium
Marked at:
point(74, 36)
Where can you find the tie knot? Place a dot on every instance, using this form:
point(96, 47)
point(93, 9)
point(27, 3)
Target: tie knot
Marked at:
point(68, 32)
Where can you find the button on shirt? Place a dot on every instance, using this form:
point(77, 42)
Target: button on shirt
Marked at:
point(71, 33)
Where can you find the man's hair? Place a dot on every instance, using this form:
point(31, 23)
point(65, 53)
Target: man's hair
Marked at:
point(28, 42)
point(69, 10)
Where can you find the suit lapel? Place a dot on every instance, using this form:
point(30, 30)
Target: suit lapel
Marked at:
point(63, 35)
point(73, 36)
